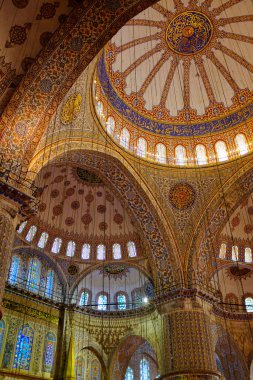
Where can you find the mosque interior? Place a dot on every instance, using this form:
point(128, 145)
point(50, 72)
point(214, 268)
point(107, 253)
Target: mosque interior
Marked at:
point(126, 189)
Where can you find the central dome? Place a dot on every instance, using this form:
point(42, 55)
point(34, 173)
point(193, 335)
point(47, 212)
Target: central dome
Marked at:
point(181, 71)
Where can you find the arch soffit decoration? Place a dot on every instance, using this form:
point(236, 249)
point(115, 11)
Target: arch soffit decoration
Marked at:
point(239, 186)
point(71, 49)
point(97, 355)
point(43, 256)
point(120, 360)
point(161, 247)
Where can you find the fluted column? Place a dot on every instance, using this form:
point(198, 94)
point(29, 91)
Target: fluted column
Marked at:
point(188, 347)
point(8, 221)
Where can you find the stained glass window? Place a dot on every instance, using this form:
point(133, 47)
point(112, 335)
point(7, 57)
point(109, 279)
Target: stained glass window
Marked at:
point(131, 249)
point(33, 278)
point(248, 255)
point(2, 329)
point(31, 233)
point(221, 150)
point(223, 250)
point(144, 370)
point(86, 252)
point(49, 350)
point(180, 153)
point(56, 245)
point(80, 368)
point(22, 227)
point(110, 124)
point(160, 153)
point(14, 270)
point(43, 240)
point(95, 370)
point(23, 351)
point(142, 147)
point(129, 374)
point(125, 138)
point(249, 304)
point(116, 250)
point(49, 284)
point(201, 154)
point(71, 248)
point(84, 298)
point(102, 302)
point(121, 301)
point(101, 252)
point(235, 253)
point(241, 143)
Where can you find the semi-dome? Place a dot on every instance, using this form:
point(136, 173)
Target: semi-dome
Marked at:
point(178, 76)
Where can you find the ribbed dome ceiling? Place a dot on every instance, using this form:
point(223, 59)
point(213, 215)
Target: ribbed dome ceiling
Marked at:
point(181, 61)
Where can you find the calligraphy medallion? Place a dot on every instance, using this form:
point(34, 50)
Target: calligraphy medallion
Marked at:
point(189, 32)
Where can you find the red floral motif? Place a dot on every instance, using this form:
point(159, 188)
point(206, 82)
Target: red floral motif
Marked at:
point(54, 193)
point(47, 10)
point(235, 221)
point(103, 226)
point(248, 228)
point(118, 218)
point(57, 210)
point(86, 219)
point(69, 221)
point(101, 209)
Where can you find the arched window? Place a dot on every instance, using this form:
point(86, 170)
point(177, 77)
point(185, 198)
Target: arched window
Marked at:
point(14, 270)
point(144, 370)
point(49, 350)
point(235, 253)
point(201, 154)
point(223, 251)
point(102, 302)
point(125, 138)
point(31, 233)
point(23, 351)
point(33, 277)
point(101, 252)
point(110, 125)
point(221, 151)
point(99, 107)
point(71, 249)
point(249, 304)
point(22, 227)
point(129, 374)
point(86, 251)
point(43, 240)
point(142, 147)
point(84, 299)
point(241, 143)
point(180, 153)
point(248, 255)
point(80, 367)
point(116, 250)
point(56, 245)
point(161, 153)
point(2, 330)
point(131, 249)
point(49, 283)
point(121, 301)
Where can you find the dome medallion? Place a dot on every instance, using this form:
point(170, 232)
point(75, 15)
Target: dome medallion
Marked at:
point(189, 32)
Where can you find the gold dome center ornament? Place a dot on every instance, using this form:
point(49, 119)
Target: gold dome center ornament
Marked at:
point(189, 32)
